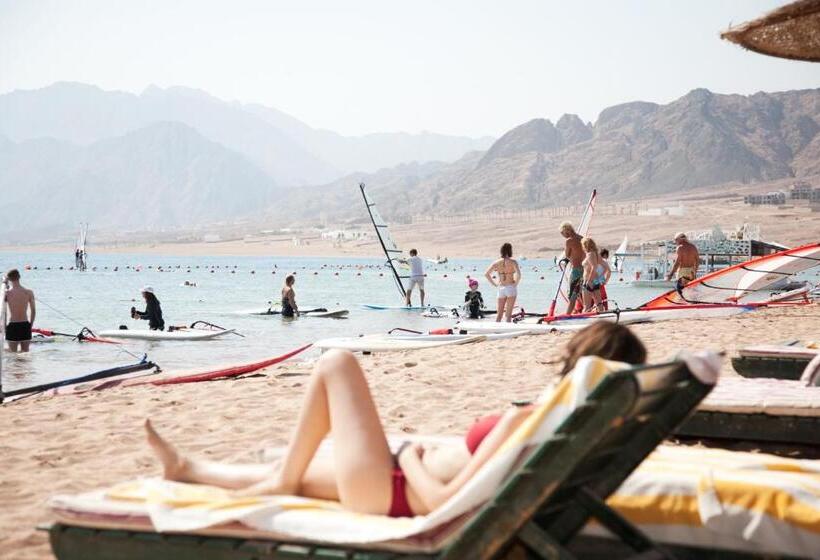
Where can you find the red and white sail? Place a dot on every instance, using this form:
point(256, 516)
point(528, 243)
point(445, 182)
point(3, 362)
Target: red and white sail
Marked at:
point(742, 282)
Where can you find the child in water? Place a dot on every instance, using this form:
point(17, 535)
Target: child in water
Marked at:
point(473, 302)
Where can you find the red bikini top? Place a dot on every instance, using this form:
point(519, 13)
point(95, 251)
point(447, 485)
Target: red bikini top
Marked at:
point(480, 430)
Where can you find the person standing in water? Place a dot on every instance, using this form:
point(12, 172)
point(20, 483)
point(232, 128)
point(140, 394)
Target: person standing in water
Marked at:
point(573, 257)
point(153, 310)
point(21, 309)
point(416, 276)
point(687, 260)
point(289, 307)
point(509, 275)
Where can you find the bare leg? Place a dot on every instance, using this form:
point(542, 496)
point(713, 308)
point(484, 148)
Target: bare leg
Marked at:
point(24, 345)
point(338, 399)
point(500, 305)
point(508, 308)
point(596, 298)
point(407, 297)
point(421, 291)
point(12, 346)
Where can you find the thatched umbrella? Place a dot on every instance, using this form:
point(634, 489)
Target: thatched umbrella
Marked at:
point(791, 31)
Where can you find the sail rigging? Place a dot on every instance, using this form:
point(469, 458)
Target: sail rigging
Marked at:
point(620, 255)
point(740, 283)
point(391, 250)
point(582, 229)
point(80, 251)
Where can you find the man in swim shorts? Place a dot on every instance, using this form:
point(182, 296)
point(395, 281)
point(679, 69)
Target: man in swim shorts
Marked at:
point(416, 276)
point(574, 257)
point(18, 301)
point(686, 264)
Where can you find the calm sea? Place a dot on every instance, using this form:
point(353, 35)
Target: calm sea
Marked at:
point(101, 298)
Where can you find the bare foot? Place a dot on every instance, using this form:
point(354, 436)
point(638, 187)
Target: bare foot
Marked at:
point(174, 466)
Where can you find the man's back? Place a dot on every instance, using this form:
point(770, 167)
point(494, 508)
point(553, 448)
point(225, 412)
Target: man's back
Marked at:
point(416, 266)
point(574, 251)
point(18, 299)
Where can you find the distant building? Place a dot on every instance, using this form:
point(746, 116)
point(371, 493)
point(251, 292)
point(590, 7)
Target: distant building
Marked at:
point(802, 191)
point(775, 198)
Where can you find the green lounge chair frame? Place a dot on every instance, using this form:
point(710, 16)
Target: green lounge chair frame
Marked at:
point(543, 505)
point(777, 368)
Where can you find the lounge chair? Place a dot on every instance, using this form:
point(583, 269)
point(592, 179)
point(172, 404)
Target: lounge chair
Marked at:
point(552, 491)
point(784, 361)
point(764, 410)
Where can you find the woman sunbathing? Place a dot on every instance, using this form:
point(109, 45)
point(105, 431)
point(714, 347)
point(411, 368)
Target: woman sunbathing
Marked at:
point(363, 475)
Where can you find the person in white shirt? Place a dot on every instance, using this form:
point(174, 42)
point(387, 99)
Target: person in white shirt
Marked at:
point(416, 276)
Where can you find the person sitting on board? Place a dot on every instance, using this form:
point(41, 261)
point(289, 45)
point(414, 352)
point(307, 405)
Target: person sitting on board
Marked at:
point(362, 473)
point(573, 257)
point(21, 310)
point(416, 276)
point(509, 276)
point(687, 260)
point(473, 300)
point(153, 310)
point(596, 274)
point(289, 307)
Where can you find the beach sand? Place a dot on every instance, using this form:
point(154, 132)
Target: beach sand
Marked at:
point(480, 236)
point(77, 443)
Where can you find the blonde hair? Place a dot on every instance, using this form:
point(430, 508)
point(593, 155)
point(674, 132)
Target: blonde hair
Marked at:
point(566, 226)
point(589, 245)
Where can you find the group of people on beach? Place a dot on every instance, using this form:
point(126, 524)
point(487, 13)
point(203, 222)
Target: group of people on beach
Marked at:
point(588, 274)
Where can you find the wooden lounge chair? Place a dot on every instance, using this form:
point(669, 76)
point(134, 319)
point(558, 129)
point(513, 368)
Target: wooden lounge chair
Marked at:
point(542, 506)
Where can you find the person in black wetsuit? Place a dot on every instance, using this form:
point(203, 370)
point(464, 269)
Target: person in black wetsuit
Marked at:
point(153, 311)
point(473, 300)
point(289, 307)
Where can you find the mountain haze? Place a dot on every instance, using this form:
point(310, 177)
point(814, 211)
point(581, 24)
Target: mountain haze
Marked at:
point(633, 150)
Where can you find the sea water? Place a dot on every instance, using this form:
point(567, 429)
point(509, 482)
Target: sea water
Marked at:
point(101, 298)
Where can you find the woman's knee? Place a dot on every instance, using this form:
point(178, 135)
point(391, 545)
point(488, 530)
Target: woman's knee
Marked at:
point(337, 363)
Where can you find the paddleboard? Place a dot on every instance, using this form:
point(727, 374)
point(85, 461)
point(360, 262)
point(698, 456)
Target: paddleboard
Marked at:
point(400, 307)
point(145, 334)
point(446, 337)
point(478, 326)
point(387, 343)
point(329, 313)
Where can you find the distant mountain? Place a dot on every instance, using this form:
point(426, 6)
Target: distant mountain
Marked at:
point(166, 175)
point(288, 150)
point(633, 150)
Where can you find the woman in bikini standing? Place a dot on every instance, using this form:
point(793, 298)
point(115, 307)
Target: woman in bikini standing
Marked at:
point(509, 275)
point(596, 274)
point(362, 473)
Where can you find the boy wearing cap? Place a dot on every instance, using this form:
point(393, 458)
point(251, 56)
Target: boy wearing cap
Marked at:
point(687, 260)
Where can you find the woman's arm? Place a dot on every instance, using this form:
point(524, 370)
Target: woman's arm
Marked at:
point(431, 491)
point(292, 299)
point(489, 274)
point(607, 271)
point(517, 273)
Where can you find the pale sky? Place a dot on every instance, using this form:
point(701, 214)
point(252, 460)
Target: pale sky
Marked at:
point(456, 67)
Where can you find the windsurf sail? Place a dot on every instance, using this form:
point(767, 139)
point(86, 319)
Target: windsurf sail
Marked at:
point(80, 250)
point(583, 227)
point(620, 255)
point(740, 283)
point(391, 251)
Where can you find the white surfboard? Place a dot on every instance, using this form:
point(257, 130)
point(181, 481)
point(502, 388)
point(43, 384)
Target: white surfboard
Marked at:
point(387, 343)
point(183, 334)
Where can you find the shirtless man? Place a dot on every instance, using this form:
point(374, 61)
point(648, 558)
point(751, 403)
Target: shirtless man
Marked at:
point(19, 300)
point(687, 260)
point(509, 275)
point(574, 257)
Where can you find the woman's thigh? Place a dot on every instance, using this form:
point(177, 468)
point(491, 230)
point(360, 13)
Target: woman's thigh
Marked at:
point(363, 463)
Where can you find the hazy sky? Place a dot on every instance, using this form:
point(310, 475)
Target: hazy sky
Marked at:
point(457, 67)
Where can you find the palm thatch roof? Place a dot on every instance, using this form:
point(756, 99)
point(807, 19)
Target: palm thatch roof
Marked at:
point(791, 31)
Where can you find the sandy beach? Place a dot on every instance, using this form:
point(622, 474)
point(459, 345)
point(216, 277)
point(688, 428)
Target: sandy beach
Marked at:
point(77, 443)
point(533, 236)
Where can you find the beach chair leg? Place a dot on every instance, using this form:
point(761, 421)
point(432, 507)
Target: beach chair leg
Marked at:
point(620, 526)
point(540, 543)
